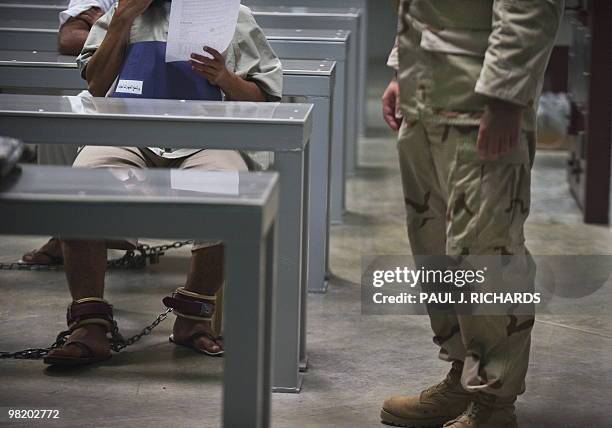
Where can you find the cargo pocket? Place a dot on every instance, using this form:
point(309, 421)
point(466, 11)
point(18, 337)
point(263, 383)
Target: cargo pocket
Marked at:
point(488, 200)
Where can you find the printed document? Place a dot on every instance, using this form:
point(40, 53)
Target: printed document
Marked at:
point(198, 23)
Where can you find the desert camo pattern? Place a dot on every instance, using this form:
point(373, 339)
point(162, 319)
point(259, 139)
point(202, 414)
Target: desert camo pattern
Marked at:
point(452, 55)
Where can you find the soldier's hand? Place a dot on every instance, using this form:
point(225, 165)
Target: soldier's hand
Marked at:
point(500, 129)
point(391, 105)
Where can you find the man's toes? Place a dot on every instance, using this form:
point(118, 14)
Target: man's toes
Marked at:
point(206, 344)
point(70, 351)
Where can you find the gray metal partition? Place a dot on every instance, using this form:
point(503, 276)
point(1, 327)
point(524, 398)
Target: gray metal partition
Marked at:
point(281, 128)
point(95, 204)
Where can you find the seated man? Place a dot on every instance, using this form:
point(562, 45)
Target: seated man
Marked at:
point(75, 23)
point(131, 34)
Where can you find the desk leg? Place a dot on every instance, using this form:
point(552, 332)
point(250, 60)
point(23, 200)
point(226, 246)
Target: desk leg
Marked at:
point(318, 199)
point(363, 72)
point(339, 140)
point(352, 99)
point(287, 312)
point(248, 332)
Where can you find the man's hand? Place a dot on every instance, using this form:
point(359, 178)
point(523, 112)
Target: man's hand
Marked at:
point(500, 129)
point(391, 105)
point(131, 9)
point(213, 70)
point(90, 16)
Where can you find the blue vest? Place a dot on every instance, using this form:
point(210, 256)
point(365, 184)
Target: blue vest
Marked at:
point(146, 74)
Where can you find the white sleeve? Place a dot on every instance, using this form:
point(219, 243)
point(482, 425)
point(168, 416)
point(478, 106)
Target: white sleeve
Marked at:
point(76, 7)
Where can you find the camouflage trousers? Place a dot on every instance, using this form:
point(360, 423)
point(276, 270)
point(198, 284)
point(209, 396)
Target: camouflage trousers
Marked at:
point(457, 204)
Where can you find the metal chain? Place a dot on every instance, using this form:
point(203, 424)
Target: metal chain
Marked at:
point(133, 259)
point(117, 341)
point(35, 353)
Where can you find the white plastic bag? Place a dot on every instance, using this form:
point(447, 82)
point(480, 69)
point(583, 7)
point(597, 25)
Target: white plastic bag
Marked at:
point(553, 117)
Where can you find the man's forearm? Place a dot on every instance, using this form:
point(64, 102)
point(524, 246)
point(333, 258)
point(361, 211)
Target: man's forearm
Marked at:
point(238, 89)
point(105, 64)
point(72, 36)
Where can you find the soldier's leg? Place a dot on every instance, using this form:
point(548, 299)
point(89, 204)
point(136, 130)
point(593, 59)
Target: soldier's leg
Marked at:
point(425, 158)
point(424, 163)
point(488, 205)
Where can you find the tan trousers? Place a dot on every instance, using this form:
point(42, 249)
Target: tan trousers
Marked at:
point(132, 157)
point(457, 204)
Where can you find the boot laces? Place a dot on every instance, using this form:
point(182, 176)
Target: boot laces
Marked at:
point(444, 386)
point(480, 407)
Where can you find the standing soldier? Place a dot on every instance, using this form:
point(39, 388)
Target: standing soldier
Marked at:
point(470, 73)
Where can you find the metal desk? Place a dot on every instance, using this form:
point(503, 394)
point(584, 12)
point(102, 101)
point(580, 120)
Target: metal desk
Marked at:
point(349, 19)
point(312, 80)
point(289, 44)
point(331, 45)
point(244, 218)
point(362, 5)
point(241, 212)
point(280, 128)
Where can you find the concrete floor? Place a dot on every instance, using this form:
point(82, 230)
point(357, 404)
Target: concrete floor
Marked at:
point(355, 360)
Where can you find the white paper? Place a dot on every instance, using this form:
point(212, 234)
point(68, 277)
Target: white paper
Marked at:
point(217, 182)
point(198, 23)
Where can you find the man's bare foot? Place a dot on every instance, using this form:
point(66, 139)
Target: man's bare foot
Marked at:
point(86, 345)
point(196, 334)
point(48, 254)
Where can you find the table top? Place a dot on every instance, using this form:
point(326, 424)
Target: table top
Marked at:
point(351, 12)
point(28, 25)
point(166, 110)
point(307, 34)
point(36, 58)
point(138, 186)
point(53, 59)
point(304, 67)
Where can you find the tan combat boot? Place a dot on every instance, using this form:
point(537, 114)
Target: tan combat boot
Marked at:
point(433, 407)
point(487, 411)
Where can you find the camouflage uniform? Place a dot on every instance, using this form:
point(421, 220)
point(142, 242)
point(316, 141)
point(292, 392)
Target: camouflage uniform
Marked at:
point(452, 55)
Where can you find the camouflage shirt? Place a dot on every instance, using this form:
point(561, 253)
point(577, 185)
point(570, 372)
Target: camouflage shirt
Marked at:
point(453, 54)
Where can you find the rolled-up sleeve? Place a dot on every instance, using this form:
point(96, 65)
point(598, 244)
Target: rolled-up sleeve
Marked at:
point(94, 40)
point(519, 48)
point(393, 60)
point(256, 60)
point(76, 7)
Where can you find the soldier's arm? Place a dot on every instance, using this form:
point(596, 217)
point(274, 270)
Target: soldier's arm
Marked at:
point(391, 96)
point(520, 45)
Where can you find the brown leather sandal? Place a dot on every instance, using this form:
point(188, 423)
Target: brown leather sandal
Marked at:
point(42, 257)
point(197, 307)
point(88, 311)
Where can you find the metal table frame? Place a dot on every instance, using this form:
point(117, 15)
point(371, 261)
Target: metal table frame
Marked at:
point(362, 5)
point(246, 227)
point(348, 19)
point(288, 44)
point(354, 19)
point(312, 80)
point(289, 139)
point(309, 44)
